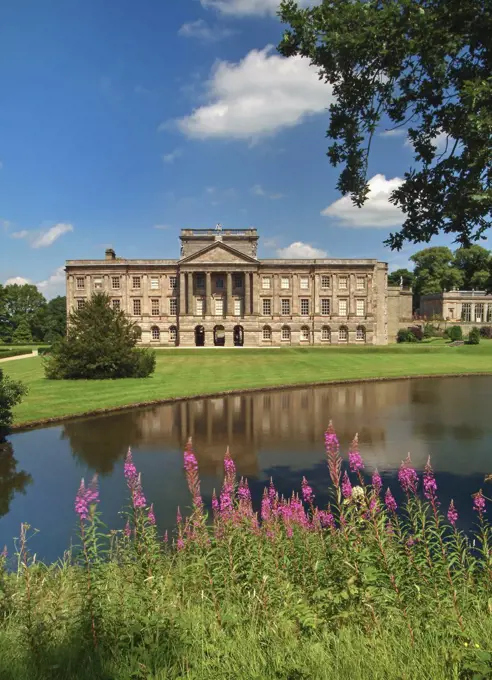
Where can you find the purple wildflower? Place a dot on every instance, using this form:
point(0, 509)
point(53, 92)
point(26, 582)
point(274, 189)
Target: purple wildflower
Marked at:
point(92, 493)
point(151, 515)
point(452, 514)
point(377, 482)
point(265, 506)
point(326, 519)
point(429, 483)
point(243, 491)
point(307, 492)
point(81, 507)
point(332, 448)
point(180, 544)
point(355, 459)
point(4, 553)
point(139, 500)
point(390, 501)
point(191, 471)
point(127, 531)
point(408, 477)
point(130, 470)
point(179, 518)
point(346, 486)
point(215, 504)
point(479, 502)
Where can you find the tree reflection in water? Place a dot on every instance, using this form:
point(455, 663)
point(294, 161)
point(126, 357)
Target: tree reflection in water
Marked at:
point(11, 480)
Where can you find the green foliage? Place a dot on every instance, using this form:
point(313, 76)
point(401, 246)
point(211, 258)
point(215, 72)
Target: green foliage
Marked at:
point(100, 343)
point(11, 393)
point(475, 264)
point(425, 65)
point(24, 303)
point(4, 354)
point(486, 332)
point(401, 276)
point(405, 335)
point(474, 336)
point(434, 271)
point(455, 333)
point(22, 333)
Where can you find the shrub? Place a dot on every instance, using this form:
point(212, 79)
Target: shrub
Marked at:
point(11, 393)
point(14, 352)
point(455, 333)
point(486, 332)
point(22, 333)
point(474, 336)
point(100, 343)
point(417, 332)
point(405, 335)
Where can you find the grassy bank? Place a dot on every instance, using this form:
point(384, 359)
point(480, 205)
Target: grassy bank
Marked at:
point(181, 373)
point(355, 590)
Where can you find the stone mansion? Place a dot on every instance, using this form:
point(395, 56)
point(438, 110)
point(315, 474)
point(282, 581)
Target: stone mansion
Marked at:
point(219, 293)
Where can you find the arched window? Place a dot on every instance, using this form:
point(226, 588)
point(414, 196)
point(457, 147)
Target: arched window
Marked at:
point(304, 334)
point(326, 334)
point(138, 333)
point(155, 333)
point(360, 334)
point(173, 334)
point(343, 334)
point(267, 334)
point(285, 333)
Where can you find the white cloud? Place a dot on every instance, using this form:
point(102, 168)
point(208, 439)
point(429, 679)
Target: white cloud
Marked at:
point(171, 157)
point(202, 31)
point(17, 280)
point(439, 142)
point(47, 238)
point(260, 95)
point(377, 211)
point(54, 285)
point(258, 190)
point(20, 234)
point(300, 250)
point(248, 7)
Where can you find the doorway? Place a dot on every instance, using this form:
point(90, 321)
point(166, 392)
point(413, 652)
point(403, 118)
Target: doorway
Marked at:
point(219, 336)
point(199, 336)
point(238, 335)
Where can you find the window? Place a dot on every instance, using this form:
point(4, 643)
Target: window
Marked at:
point(156, 334)
point(116, 304)
point(343, 334)
point(285, 333)
point(489, 313)
point(304, 334)
point(219, 283)
point(266, 283)
point(155, 307)
point(466, 311)
point(200, 281)
point(115, 282)
point(199, 306)
point(479, 312)
point(325, 281)
point(219, 306)
point(173, 334)
point(237, 307)
point(138, 333)
point(360, 283)
point(98, 282)
point(360, 307)
point(285, 307)
point(154, 283)
point(173, 306)
point(173, 282)
point(284, 282)
point(342, 308)
point(80, 281)
point(267, 333)
point(267, 306)
point(304, 282)
point(325, 334)
point(238, 281)
point(360, 333)
point(135, 281)
point(137, 307)
point(343, 282)
point(80, 304)
point(304, 306)
point(325, 306)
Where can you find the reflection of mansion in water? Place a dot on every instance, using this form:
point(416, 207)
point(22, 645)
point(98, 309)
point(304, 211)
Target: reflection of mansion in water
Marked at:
point(220, 293)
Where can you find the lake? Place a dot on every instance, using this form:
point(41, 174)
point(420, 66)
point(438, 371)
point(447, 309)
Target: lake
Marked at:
point(275, 434)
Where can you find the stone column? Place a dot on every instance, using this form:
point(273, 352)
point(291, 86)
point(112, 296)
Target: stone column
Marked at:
point(316, 290)
point(229, 309)
point(276, 295)
point(247, 294)
point(472, 312)
point(208, 293)
point(253, 282)
point(295, 294)
point(182, 293)
point(190, 293)
point(352, 291)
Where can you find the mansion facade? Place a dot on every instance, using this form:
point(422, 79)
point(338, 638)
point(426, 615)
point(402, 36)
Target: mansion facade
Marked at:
point(219, 293)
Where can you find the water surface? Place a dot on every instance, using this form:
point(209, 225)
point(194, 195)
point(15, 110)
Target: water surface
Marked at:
point(277, 434)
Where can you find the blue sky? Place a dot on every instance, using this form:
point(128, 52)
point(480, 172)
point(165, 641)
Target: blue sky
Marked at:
point(122, 122)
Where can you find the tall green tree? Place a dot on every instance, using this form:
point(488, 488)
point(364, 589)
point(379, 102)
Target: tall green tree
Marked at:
point(100, 343)
point(22, 334)
point(423, 65)
point(22, 302)
point(434, 271)
point(54, 319)
point(475, 264)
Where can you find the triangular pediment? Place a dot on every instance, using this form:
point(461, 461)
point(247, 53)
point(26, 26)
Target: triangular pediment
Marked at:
point(218, 253)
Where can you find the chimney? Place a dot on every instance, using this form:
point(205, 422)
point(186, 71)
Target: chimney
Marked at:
point(110, 254)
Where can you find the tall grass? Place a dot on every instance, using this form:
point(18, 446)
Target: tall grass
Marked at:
point(358, 589)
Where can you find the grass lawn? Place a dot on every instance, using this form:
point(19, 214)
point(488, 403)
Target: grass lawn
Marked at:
point(206, 371)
